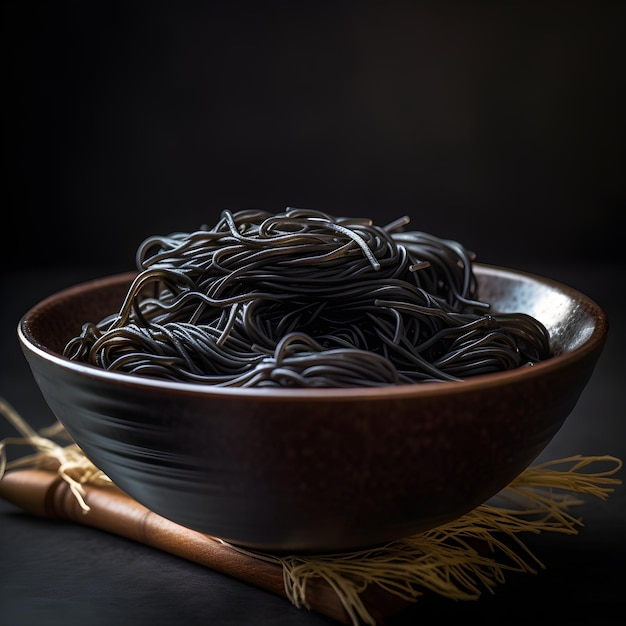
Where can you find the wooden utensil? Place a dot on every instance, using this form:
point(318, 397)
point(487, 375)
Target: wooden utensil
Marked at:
point(43, 493)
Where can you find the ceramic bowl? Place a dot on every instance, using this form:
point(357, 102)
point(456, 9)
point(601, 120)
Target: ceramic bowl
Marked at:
point(316, 470)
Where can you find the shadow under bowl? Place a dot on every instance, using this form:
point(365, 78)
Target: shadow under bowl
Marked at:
point(316, 470)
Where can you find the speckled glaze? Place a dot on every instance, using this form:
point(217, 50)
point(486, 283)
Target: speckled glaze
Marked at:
point(310, 470)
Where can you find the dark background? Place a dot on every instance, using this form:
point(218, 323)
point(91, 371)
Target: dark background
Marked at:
point(499, 124)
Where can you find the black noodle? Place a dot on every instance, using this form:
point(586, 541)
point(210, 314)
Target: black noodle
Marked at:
point(305, 299)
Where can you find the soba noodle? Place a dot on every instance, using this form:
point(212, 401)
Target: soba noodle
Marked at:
point(305, 299)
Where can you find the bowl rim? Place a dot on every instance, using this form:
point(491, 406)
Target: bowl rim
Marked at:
point(593, 342)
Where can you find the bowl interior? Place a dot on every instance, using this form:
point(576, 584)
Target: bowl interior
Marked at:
point(571, 317)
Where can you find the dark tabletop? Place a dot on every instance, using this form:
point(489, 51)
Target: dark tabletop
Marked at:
point(59, 573)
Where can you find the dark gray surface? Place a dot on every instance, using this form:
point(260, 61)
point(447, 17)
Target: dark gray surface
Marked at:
point(57, 573)
point(499, 124)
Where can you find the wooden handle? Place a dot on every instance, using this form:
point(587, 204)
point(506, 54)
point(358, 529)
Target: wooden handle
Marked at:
point(44, 494)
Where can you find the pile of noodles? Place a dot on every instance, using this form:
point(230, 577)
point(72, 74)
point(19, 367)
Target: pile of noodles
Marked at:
point(305, 299)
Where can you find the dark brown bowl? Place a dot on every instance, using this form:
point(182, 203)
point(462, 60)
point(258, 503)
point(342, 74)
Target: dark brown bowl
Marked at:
point(304, 470)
